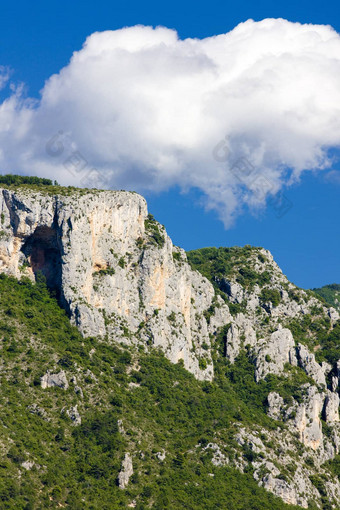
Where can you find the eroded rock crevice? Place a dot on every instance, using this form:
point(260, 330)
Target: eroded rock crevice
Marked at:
point(43, 252)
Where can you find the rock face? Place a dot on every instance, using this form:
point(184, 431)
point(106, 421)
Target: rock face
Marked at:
point(278, 350)
point(307, 419)
point(50, 380)
point(115, 271)
point(331, 407)
point(311, 367)
point(126, 472)
point(275, 405)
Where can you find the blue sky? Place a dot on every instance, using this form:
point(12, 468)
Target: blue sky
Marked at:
point(38, 39)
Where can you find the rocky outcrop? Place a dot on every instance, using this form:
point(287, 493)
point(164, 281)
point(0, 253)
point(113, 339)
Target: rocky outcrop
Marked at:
point(311, 367)
point(275, 405)
point(274, 353)
point(240, 333)
point(331, 407)
point(218, 457)
point(280, 487)
point(74, 415)
point(307, 421)
point(289, 478)
point(28, 465)
point(50, 380)
point(126, 472)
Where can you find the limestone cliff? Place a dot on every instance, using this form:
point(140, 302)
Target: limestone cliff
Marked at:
point(120, 278)
point(113, 268)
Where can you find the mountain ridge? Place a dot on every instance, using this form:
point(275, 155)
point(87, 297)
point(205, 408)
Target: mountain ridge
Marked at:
point(227, 315)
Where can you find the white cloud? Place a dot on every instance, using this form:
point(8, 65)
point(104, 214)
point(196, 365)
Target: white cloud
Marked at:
point(333, 176)
point(4, 76)
point(147, 110)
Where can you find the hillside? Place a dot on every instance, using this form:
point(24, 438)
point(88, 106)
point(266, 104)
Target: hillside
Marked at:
point(128, 401)
point(136, 375)
point(331, 294)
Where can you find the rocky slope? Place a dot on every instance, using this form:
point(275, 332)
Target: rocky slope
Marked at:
point(282, 329)
point(119, 277)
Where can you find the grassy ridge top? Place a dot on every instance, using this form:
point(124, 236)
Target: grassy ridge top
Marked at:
point(19, 180)
point(227, 262)
point(39, 184)
point(45, 186)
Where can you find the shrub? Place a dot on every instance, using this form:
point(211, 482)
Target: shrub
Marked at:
point(176, 256)
point(18, 180)
point(152, 229)
point(270, 296)
point(202, 363)
point(107, 271)
point(121, 262)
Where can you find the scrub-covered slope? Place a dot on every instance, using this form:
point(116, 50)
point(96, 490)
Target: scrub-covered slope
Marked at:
point(330, 293)
point(87, 424)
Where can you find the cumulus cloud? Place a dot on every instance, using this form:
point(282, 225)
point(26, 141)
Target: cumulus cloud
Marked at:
point(239, 115)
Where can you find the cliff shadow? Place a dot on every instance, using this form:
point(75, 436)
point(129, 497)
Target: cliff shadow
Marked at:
point(43, 252)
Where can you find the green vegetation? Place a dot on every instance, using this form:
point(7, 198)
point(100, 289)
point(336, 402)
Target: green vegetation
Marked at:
point(121, 262)
point(316, 333)
point(107, 271)
point(272, 296)
point(167, 409)
point(330, 345)
point(334, 465)
point(41, 185)
point(330, 294)
point(220, 264)
point(319, 482)
point(176, 256)
point(153, 231)
point(241, 377)
point(202, 363)
point(135, 401)
point(140, 242)
point(19, 180)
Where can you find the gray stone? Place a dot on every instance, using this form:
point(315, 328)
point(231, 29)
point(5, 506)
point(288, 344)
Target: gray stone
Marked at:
point(307, 361)
point(161, 455)
point(105, 261)
point(126, 472)
point(51, 380)
point(331, 407)
point(275, 405)
point(74, 415)
point(27, 464)
point(281, 489)
point(307, 420)
point(274, 353)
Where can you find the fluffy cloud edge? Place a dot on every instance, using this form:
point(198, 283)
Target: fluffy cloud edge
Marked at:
point(239, 116)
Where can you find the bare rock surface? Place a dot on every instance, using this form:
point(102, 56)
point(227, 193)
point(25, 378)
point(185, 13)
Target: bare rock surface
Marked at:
point(126, 472)
point(51, 380)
